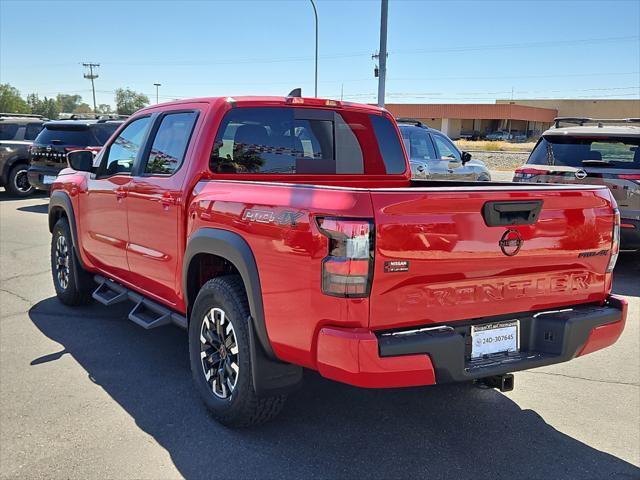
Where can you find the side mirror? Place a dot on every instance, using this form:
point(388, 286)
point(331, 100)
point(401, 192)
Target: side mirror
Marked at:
point(81, 160)
point(466, 156)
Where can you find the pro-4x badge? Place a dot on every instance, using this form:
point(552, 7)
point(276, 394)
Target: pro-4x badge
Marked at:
point(286, 217)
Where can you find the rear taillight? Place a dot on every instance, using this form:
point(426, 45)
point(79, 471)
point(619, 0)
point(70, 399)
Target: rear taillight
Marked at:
point(615, 241)
point(630, 176)
point(348, 267)
point(526, 172)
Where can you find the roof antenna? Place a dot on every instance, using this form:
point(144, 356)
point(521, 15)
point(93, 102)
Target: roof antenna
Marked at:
point(296, 92)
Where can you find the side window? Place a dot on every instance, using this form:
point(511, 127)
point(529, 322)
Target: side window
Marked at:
point(420, 145)
point(446, 149)
point(8, 131)
point(170, 143)
point(389, 144)
point(32, 131)
point(124, 149)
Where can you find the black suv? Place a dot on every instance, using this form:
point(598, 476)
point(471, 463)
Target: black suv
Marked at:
point(57, 138)
point(17, 131)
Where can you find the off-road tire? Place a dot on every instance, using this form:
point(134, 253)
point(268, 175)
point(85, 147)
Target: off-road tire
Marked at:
point(17, 176)
point(242, 408)
point(77, 288)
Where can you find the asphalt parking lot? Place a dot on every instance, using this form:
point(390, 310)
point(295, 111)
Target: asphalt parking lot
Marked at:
point(84, 393)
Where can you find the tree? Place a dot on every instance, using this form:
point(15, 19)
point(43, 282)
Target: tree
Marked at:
point(104, 108)
point(11, 101)
point(83, 108)
point(48, 107)
point(68, 103)
point(128, 101)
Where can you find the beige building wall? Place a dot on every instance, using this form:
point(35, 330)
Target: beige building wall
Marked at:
point(586, 108)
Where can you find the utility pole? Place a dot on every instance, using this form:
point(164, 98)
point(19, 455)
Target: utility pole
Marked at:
point(383, 51)
point(91, 75)
point(315, 12)
point(158, 85)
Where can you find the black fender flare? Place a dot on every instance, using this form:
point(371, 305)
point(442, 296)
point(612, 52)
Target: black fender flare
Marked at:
point(233, 248)
point(60, 201)
point(270, 376)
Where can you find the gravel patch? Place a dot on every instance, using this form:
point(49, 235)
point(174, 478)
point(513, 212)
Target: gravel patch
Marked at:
point(506, 161)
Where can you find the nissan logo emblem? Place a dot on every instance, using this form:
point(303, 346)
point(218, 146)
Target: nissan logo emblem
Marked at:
point(580, 174)
point(511, 242)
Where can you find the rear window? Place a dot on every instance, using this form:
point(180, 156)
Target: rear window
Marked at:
point(8, 131)
point(617, 152)
point(303, 141)
point(76, 135)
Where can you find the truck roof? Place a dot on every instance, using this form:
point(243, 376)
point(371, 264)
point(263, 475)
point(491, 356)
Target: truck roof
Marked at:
point(249, 100)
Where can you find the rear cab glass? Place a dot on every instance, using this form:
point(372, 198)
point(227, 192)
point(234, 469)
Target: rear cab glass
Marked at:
point(584, 151)
point(285, 140)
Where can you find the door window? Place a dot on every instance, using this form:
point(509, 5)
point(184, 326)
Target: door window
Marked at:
point(446, 148)
point(170, 143)
point(32, 131)
point(122, 153)
point(418, 143)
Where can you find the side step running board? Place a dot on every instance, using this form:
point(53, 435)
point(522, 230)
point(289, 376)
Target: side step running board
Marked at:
point(146, 313)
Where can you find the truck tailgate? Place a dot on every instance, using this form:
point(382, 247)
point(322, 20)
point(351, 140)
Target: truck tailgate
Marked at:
point(439, 259)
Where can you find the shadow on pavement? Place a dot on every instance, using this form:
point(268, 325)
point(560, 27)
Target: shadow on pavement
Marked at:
point(41, 208)
point(626, 280)
point(7, 197)
point(327, 429)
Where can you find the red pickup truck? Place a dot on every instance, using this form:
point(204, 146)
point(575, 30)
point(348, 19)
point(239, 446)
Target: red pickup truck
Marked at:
point(286, 233)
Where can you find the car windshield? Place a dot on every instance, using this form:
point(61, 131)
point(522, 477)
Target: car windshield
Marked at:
point(618, 152)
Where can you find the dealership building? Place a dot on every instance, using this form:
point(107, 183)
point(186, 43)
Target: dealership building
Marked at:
point(529, 117)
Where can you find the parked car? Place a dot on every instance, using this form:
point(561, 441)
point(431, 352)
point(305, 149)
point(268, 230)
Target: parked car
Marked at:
point(593, 151)
point(287, 233)
point(57, 138)
point(17, 132)
point(432, 155)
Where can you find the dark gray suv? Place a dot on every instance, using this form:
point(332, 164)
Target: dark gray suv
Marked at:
point(17, 132)
point(593, 151)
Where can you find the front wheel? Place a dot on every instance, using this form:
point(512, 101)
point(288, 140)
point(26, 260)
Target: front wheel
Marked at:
point(18, 182)
point(73, 283)
point(220, 355)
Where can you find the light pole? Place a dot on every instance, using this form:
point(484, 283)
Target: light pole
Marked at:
point(92, 75)
point(158, 85)
point(383, 51)
point(315, 12)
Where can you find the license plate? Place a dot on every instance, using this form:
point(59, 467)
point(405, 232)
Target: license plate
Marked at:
point(495, 338)
point(48, 179)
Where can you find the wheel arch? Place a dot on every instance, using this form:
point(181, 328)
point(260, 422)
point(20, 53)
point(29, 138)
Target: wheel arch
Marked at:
point(60, 206)
point(232, 248)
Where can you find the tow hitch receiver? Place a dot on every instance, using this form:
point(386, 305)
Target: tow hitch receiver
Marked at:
point(504, 383)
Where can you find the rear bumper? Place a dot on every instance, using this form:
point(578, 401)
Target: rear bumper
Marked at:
point(398, 359)
point(36, 176)
point(629, 234)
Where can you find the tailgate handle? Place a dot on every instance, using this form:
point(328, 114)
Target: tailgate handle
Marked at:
point(496, 214)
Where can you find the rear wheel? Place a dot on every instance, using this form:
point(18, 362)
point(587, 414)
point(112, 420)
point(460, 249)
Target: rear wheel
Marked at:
point(220, 356)
point(18, 182)
point(73, 284)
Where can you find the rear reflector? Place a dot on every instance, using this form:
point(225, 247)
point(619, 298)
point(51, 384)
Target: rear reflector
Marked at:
point(348, 267)
point(627, 225)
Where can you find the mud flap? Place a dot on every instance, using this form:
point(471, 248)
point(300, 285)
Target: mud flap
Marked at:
point(270, 377)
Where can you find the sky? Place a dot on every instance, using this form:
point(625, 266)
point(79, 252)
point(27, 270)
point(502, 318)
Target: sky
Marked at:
point(439, 51)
